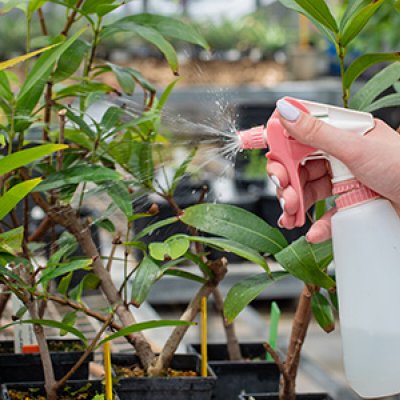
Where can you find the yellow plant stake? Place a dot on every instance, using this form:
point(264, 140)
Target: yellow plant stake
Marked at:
point(107, 371)
point(204, 336)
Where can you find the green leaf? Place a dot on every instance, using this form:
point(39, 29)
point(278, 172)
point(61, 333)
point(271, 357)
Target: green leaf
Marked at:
point(170, 27)
point(80, 123)
point(14, 61)
point(322, 312)
point(69, 319)
point(375, 86)
point(320, 11)
point(357, 22)
point(34, 5)
point(306, 262)
point(106, 224)
point(82, 90)
point(146, 275)
point(24, 157)
point(11, 241)
point(5, 88)
point(66, 245)
point(92, 6)
point(76, 175)
point(111, 118)
point(236, 224)
point(64, 284)
point(244, 292)
point(151, 228)
point(51, 324)
point(12, 197)
point(147, 33)
point(61, 269)
point(364, 62)
point(43, 67)
point(143, 326)
point(166, 93)
point(185, 275)
point(173, 248)
point(89, 282)
point(181, 170)
point(391, 100)
point(239, 249)
point(352, 8)
point(124, 78)
point(294, 6)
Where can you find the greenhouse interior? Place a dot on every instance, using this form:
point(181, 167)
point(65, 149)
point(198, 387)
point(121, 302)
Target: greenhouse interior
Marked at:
point(199, 199)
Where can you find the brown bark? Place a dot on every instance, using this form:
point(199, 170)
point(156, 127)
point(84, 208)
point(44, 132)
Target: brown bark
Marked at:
point(232, 342)
point(71, 18)
point(300, 325)
point(4, 297)
point(168, 351)
point(66, 217)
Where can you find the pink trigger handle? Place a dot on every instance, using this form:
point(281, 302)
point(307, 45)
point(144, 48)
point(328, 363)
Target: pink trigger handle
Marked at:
point(290, 153)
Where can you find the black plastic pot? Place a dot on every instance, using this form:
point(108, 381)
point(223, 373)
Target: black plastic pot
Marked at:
point(37, 388)
point(28, 367)
point(275, 396)
point(254, 374)
point(162, 388)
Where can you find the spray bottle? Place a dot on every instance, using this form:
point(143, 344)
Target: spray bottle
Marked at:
point(366, 247)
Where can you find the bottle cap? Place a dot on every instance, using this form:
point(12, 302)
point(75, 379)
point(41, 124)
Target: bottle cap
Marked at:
point(352, 192)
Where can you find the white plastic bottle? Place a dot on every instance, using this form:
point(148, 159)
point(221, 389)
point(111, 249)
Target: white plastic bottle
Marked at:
point(366, 244)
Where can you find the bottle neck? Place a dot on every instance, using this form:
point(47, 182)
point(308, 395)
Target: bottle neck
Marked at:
point(351, 193)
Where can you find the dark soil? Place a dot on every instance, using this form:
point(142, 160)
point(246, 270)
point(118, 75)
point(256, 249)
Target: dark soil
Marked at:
point(135, 371)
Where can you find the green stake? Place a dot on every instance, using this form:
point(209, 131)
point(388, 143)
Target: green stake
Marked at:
point(273, 328)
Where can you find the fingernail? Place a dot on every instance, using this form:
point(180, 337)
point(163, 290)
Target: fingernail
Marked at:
point(288, 111)
point(276, 181)
point(279, 222)
point(282, 203)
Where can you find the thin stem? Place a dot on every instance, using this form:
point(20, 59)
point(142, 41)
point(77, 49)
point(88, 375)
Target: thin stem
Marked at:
point(345, 91)
point(126, 254)
point(71, 18)
point(60, 154)
point(42, 22)
point(81, 360)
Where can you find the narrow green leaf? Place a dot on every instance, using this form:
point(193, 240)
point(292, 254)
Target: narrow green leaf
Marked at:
point(320, 11)
point(25, 157)
point(166, 93)
point(239, 249)
point(61, 269)
point(147, 33)
point(12, 197)
point(89, 282)
point(68, 319)
point(106, 224)
point(64, 284)
point(391, 100)
point(143, 326)
point(146, 275)
point(151, 228)
point(76, 175)
point(14, 61)
point(236, 224)
point(375, 86)
point(84, 90)
point(52, 324)
point(119, 193)
point(333, 297)
point(44, 66)
point(322, 312)
point(66, 245)
point(306, 262)
point(364, 62)
point(4, 271)
point(71, 116)
point(181, 171)
point(11, 241)
point(244, 292)
point(185, 275)
point(291, 4)
point(111, 118)
point(352, 8)
point(170, 27)
point(320, 209)
point(5, 88)
point(357, 22)
point(70, 60)
point(124, 78)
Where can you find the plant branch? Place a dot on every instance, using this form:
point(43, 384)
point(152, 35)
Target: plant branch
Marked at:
point(81, 360)
point(41, 230)
point(4, 298)
point(42, 22)
point(231, 338)
point(71, 18)
point(47, 110)
point(167, 353)
point(275, 356)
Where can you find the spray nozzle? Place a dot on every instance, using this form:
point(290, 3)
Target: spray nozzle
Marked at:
point(292, 154)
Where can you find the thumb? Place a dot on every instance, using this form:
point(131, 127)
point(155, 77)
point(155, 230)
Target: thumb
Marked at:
point(314, 132)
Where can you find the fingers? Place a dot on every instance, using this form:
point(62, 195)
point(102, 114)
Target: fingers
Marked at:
point(314, 132)
point(278, 174)
point(321, 229)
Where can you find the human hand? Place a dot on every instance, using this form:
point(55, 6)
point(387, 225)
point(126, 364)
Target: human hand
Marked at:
point(374, 159)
